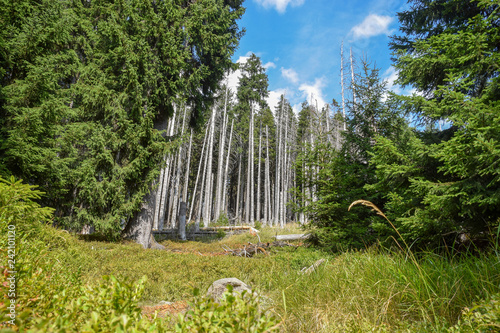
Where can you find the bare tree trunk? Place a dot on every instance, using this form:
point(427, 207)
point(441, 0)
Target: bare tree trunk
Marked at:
point(252, 177)
point(177, 180)
point(237, 215)
point(226, 172)
point(171, 197)
point(352, 79)
point(266, 180)
point(166, 178)
point(284, 176)
point(158, 197)
point(207, 212)
point(200, 202)
point(258, 174)
point(188, 165)
point(342, 80)
point(198, 174)
point(278, 165)
point(222, 142)
point(247, 191)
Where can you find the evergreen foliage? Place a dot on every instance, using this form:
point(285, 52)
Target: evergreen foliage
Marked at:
point(337, 178)
point(252, 89)
point(87, 86)
point(440, 184)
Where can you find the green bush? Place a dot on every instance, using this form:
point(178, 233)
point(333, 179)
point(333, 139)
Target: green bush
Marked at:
point(234, 313)
point(221, 234)
point(222, 221)
point(482, 317)
point(258, 225)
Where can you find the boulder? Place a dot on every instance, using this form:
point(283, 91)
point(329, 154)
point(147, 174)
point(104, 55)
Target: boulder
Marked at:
point(218, 288)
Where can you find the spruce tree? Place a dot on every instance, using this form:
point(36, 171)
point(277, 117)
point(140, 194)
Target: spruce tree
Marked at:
point(445, 182)
point(87, 89)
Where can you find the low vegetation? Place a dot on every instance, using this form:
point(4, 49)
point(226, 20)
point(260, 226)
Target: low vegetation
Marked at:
point(67, 284)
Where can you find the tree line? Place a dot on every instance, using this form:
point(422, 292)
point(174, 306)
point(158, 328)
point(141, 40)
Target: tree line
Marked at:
point(120, 112)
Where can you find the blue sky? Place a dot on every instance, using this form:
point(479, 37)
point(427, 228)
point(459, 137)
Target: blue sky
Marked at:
point(299, 43)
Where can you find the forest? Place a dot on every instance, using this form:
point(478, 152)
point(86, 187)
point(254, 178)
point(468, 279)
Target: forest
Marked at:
point(117, 126)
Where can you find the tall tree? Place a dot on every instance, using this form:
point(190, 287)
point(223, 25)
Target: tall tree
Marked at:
point(93, 83)
point(252, 90)
point(337, 178)
point(441, 183)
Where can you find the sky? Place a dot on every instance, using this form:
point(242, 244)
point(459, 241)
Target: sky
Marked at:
point(299, 43)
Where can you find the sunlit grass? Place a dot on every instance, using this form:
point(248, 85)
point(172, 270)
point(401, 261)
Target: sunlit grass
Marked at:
point(370, 290)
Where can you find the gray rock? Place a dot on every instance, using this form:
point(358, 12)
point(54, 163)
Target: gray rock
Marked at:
point(220, 286)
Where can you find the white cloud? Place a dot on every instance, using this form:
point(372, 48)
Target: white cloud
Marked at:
point(313, 92)
point(274, 98)
point(372, 25)
point(280, 5)
point(268, 65)
point(296, 108)
point(234, 77)
point(390, 75)
point(290, 74)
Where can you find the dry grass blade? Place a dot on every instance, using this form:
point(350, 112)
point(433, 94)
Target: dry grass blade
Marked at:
point(368, 204)
point(379, 212)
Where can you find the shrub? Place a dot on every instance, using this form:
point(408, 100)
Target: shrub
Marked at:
point(222, 221)
point(482, 317)
point(258, 225)
point(234, 313)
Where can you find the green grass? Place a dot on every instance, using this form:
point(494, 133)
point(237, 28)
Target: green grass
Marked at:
point(362, 291)
point(372, 290)
point(64, 283)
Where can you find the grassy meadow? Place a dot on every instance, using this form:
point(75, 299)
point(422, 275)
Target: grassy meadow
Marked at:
point(363, 291)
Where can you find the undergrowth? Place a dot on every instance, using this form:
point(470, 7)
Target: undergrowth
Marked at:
point(68, 285)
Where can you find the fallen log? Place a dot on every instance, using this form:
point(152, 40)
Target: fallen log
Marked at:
point(291, 237)
point(312, 268)
point(250, 250)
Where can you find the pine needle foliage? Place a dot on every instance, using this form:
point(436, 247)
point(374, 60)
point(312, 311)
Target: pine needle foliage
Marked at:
point(86, 89)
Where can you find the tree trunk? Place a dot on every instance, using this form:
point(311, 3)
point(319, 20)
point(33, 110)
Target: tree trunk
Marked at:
point(158, 197)
point(198, 174)
point(226, 172)
point(252, 176)
point(278, 165)
point(207, 211)
point(285, 173)
point(166, 178)
point(258, 174)
point(249, 172)
point(140, 226)
point(222, 141)
point(177, 179)
point(182, 220)
point(342, 80)
point(237, 215)
point(352, 80)
point(188, 165)
point(266, 180)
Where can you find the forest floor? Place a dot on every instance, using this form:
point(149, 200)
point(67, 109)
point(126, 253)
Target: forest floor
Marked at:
point(375, 289)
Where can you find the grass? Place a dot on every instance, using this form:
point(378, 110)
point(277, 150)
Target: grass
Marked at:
point(375, 289)
point(61, 283)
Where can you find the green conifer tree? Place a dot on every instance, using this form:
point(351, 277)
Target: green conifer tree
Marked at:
point(443, 183)
point(87, 88)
